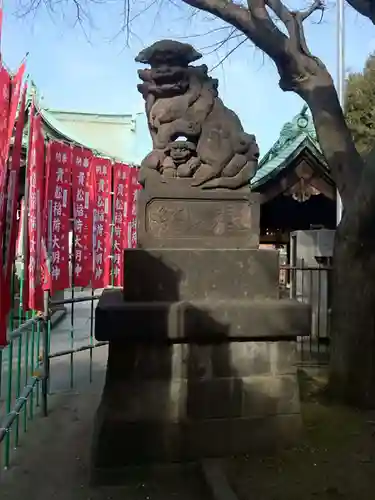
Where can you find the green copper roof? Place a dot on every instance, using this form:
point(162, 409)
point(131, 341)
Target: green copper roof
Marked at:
point(108, 135)
point(295, 136)
point(62, 129)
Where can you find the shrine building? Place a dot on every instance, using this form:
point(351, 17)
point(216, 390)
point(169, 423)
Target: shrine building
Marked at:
point(297, 190)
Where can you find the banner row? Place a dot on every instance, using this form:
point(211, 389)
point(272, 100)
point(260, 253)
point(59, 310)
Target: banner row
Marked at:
point(79, 210)
point(79, 221)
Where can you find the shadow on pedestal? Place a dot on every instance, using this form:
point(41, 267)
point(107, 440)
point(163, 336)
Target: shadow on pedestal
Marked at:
point(182, 385)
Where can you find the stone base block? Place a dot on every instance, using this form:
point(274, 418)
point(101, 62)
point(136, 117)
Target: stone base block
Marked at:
point(171, 275)
point(181, 402)
point(198, 362)
point(199, 320)
point(173, 214)
point(120, 444)
point(187, 400)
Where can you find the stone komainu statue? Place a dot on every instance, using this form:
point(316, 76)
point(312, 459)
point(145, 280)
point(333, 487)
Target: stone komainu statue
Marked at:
point(182, 102)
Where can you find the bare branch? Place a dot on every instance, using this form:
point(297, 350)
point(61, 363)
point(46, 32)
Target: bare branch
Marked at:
point(201, 35)
point(299, 17)
point(293, 21)
point(228, 54)
point(304, 14)
point(255, 23)
point(218, 45)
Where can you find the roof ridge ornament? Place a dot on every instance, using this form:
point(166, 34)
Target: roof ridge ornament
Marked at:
point(301, 123)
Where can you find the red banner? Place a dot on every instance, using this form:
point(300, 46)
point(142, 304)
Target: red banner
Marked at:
point(1, 26)
point(12, 200)
point(120, 232)
point(4, 119)
point(58, 214)
point(132, 208)
point(36, 263)
point(16, 87)
point(23, 246)
point(102, 173)
point(20, 223)
point(83, 205)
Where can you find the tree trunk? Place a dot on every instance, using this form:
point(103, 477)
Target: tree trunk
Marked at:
point(345, 163)
point(352, 368)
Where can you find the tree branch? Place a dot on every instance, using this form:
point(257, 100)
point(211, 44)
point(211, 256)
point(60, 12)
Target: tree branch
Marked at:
point(304, 14)
point(364, 7)
point(228, 54)
point(268, 39)
point(286, 51)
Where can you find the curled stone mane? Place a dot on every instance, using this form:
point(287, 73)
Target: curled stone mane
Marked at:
point(182, 100)
point(167, 51)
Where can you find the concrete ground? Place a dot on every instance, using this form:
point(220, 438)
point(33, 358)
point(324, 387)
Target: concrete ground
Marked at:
point(53, 459)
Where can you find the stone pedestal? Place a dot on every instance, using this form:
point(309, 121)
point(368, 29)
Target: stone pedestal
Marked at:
point(175, 215)
point(202, 350)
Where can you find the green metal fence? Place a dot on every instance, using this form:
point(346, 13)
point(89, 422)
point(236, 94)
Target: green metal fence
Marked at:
point(23, 375)
point(25, 379)
point(71, 335)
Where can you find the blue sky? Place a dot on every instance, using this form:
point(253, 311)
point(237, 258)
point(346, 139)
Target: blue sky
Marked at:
point(95, 71)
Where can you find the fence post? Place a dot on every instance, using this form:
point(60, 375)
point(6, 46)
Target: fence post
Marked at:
point(293, 281)
point(46, 361)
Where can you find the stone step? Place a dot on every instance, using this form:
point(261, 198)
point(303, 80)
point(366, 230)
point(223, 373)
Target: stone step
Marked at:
point(199, 320)
point(185, 274)
point(118, 443)
point(201, 363)
point(178, 399)
point(154, 481)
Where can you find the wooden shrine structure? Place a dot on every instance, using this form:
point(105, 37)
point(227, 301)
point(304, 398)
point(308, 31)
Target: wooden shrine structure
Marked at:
point(297, 190)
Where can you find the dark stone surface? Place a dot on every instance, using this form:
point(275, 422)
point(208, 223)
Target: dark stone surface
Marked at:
point(187, 401)
point(149, 361)
point(199, 320)
point(179, 399)
point(186, 381)
point(168, 275)
point(175, 215)
point(120, 444)
point(182, 101)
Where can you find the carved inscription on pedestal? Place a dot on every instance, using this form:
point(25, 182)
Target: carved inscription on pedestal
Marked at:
point(197, 218)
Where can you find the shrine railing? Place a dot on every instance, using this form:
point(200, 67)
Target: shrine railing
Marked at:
point(23, 376)
point(36, 342)
point(311, 285)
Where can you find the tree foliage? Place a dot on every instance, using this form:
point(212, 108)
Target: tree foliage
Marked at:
point(360, 106)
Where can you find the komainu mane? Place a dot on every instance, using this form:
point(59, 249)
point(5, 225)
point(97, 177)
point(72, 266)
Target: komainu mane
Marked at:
point(194, 135)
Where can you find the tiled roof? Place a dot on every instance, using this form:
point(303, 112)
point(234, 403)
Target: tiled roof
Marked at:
point(61, 130)
point(295, 136)
point(60, 125)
